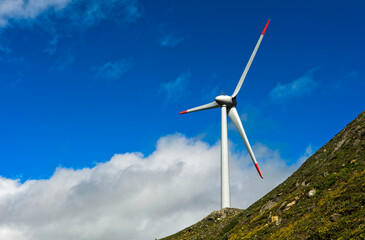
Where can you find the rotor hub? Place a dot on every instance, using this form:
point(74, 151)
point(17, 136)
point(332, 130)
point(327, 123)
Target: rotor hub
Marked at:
point(226, 100)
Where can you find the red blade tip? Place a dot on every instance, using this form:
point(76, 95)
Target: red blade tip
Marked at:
point(267, 24)
point(258, 170)
point(183, 112)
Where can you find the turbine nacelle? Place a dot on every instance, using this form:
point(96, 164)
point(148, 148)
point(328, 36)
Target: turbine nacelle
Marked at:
point(226, 100)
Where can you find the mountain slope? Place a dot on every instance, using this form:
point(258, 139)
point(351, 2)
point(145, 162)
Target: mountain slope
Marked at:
point(323, 199)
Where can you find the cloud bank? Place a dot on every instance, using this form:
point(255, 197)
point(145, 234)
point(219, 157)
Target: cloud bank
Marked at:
point(133, 196)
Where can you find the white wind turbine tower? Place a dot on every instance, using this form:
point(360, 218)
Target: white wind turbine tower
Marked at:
point(228, 106)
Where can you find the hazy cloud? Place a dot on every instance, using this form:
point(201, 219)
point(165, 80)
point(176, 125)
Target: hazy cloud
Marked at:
point(52, 47)
point(91, 12)
point(302, 86)
point(23, 9)
point(64, 62)
point(254, 120)
point(61, 17)
point(169, 36)
point(85, 12)
point(343, 84)
point(5, 50)
point(114, 69)
point(353, 75)
point(170, 40)
point(133, 196)
point(308, 152)
point(175, 89)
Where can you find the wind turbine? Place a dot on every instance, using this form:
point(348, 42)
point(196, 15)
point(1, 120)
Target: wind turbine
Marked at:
point(228, 106)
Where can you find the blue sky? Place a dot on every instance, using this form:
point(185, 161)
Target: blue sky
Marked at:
point(83, 80)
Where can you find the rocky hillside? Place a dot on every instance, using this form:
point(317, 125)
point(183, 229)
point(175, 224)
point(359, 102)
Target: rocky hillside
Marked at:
point(323, 199)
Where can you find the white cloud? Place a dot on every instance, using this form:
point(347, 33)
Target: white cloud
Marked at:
point(85, 12)
point(175, 89)
point(302, 86)
point(22, 9)
point(114, 69)
point(62, 18)
point(133, 196)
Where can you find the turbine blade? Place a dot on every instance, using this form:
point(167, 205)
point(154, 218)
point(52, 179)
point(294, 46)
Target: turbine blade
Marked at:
point(203, 107)
point(249, 62)
point(233, 115)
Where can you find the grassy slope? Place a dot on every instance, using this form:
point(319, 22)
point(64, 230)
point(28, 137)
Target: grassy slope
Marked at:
point(336, 211)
